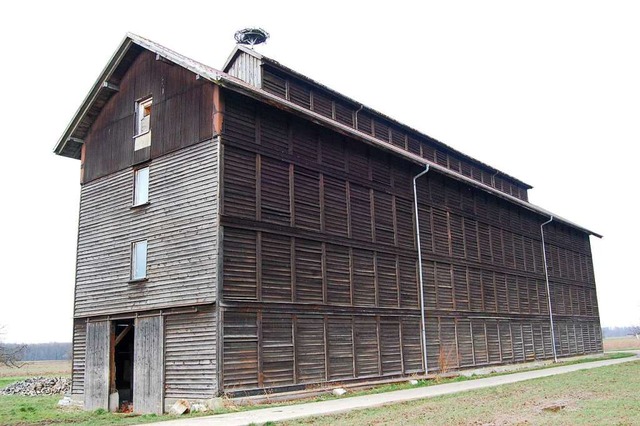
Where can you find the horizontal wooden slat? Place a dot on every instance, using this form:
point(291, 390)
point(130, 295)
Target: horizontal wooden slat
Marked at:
point(179, 225)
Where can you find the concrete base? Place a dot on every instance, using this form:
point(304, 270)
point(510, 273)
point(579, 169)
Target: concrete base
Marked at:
point(114, 402)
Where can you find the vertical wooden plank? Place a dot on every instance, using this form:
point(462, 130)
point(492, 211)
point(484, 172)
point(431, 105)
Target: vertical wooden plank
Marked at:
point(294, 326)
point(148, 365)
point(259, 266)
point(96, 381)
point(260, 349)
point(191, 355)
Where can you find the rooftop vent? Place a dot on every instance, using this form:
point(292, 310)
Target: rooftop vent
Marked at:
point(251, 36)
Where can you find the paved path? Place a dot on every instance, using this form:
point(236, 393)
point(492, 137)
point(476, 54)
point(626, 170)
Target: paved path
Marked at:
point(352, 403)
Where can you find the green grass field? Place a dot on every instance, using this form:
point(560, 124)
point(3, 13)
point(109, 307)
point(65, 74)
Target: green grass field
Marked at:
point(23, 411)
point(601, 396)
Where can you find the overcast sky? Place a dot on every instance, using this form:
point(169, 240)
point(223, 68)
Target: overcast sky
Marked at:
point(547, 91)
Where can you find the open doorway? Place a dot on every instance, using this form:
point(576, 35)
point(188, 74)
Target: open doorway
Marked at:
point(122, 364)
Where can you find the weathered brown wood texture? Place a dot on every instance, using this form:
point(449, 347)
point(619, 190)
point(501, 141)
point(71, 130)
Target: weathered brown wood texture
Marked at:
point(320, 265)
point(339, 108)
point(484, 280)
point(96, 380)
point(181, 116)
point(190, 356)
point(180, 225)
point(246, 68)
point(79, 356)
point(148, 365)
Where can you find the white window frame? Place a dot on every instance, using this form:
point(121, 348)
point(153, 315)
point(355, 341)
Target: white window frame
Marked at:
point(141, 186)
point(139, 254)
point(141, 105)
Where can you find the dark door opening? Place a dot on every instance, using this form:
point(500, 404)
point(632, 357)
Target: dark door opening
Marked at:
point(123, 358)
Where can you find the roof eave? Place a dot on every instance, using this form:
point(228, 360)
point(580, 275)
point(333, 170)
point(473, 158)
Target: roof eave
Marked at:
point(240, 86)
point(284, 69)
point(67, 136)
point(246, 89)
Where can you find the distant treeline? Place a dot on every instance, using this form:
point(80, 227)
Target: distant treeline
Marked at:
point(43, 351)
point(618, 331)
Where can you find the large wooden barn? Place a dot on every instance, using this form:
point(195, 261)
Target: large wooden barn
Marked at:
point(251, 229)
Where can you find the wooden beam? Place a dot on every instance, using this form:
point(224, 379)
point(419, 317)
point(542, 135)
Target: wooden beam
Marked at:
point(122, 334)
point(112, 360)
point(218, 110)
point(163, 59)
point(75, 140)
point(110, 86)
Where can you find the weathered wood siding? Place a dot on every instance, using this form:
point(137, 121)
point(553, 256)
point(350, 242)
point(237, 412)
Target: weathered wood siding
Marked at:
point(347, 112)
point(79, 355)
point(266, 347)
point(148, 365)
point(484, 280)
point(320, 263)
point(191, 356)
point(96, 380)
point(180, 224)
point(247, 68)
point(181, 116)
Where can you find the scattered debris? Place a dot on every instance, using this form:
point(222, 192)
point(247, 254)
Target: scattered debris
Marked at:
point(215, 404)
point(413, 382)
point(339, 392)
point(65, 402)
point(38, 386)
point(199, 408)
point(126, 407)
point(180, 407)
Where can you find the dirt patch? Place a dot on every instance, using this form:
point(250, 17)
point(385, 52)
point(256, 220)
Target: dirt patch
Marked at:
point(621, 343)
point(38, 368)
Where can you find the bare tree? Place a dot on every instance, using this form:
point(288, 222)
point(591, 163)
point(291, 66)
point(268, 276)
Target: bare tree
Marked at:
point(10, 355)
point(635, 330)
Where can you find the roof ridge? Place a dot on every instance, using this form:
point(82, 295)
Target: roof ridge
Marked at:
point(233, 83)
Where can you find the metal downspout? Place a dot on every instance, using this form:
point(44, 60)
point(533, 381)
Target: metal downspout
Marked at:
point(422, 320)
point(356, 120)
point(546, 276)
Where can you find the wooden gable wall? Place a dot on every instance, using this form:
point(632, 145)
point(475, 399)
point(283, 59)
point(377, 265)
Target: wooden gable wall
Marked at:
point(181, 115)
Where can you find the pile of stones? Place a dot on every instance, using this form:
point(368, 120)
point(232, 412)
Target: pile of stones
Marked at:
point(38, 386)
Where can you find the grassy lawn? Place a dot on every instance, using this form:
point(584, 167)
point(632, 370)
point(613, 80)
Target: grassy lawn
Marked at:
point(25, 410)
point(601, 396)
point(19, 410)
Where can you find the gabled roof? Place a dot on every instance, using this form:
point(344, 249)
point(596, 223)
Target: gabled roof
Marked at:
point(282, 68)
point(107, 83)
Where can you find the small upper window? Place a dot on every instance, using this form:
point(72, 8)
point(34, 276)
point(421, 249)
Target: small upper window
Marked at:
point(139, 260)
point(144, 116)
point(141, 186)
